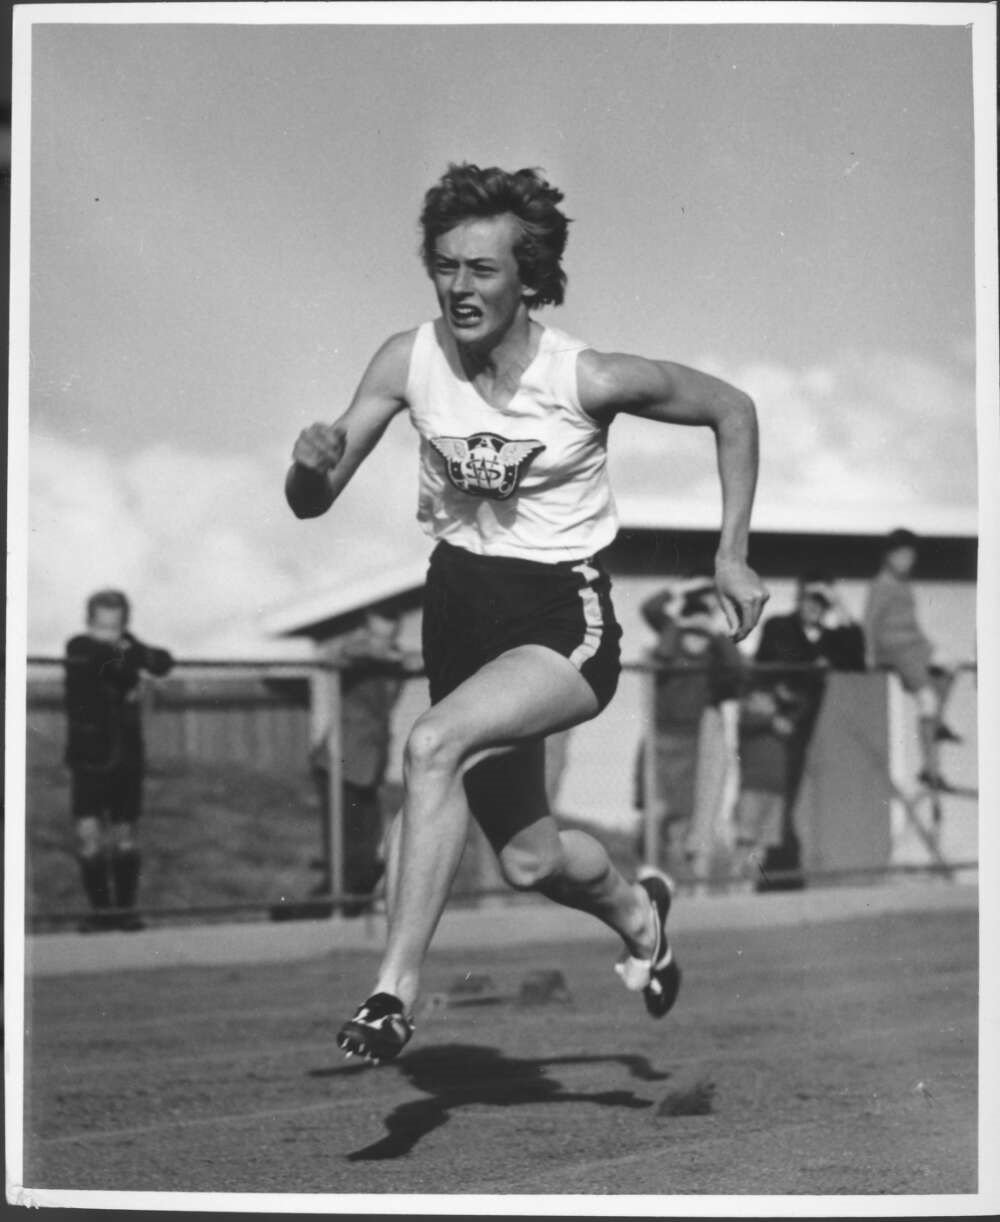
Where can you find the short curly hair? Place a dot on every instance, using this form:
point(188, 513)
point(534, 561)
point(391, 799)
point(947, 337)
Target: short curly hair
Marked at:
point(465, 191)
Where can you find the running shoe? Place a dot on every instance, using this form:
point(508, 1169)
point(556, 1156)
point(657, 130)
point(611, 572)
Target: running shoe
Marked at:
point(659, 977)
point(379, 1031)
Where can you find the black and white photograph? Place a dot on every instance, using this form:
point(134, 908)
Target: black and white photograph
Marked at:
point(502, 606)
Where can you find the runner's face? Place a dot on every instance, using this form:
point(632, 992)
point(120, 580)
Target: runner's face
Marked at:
point(476, 279)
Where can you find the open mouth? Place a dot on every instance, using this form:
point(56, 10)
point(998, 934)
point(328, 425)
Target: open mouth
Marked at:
point(465, 315)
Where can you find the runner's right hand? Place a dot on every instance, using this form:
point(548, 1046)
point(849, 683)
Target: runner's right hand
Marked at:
point(319, 447)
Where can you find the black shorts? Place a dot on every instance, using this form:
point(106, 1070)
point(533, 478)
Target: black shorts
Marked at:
point(478, 607)
point(117, 793)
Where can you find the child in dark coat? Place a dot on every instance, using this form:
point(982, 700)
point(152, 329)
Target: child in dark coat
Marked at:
point(105, 755)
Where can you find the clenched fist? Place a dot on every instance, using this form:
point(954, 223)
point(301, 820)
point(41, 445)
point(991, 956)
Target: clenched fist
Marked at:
point(319, 447)
point(742, 595)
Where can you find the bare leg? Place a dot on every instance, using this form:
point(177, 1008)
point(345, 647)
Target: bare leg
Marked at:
point(927, 728)
point(943, 681)
point(509, 800)
point(93, 862)
point(932, 700)
point(429, 840)
point(587, 880)
point(390, 855)
point(522, 696)
point(126, 861)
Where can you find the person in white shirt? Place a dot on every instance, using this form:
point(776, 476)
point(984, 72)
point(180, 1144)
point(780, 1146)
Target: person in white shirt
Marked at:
point(520, 638)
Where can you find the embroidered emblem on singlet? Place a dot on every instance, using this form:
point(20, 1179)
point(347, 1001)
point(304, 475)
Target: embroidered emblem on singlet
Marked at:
point(486, 464)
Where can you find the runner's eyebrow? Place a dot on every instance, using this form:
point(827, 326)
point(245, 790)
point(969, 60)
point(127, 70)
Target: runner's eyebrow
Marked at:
point(475, 261)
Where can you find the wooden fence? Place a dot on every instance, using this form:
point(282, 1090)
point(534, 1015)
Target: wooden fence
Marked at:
point(199, 717)
point(267, 715)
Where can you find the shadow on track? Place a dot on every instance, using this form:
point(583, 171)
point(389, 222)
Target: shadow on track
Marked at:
point(456, 1075)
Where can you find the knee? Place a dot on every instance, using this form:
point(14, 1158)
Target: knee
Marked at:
point(529, 870)
point(433, 746)
point(88, 837)
point(123, 838)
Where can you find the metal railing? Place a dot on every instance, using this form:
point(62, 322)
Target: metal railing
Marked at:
point(324, 676)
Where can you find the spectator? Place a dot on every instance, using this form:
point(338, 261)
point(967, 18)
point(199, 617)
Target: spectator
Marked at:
point(767, 721)
point(703, 669)
point(896, 642)
point(105, 754)
point(820, 632)
point(371, 681)
point(820, 629)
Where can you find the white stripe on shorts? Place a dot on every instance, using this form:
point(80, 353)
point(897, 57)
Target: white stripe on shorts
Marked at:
point(592, 617)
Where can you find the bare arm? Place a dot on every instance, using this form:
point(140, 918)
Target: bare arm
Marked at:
point(675, 394)
point(326, 456)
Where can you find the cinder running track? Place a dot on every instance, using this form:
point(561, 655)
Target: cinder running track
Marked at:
point(837, 1057)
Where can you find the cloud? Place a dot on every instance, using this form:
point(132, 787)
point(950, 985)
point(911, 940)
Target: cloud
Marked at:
point(204, 542)
point(868, 428)
point(885, 427)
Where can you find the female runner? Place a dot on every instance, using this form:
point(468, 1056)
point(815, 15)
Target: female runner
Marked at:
point(519, 635)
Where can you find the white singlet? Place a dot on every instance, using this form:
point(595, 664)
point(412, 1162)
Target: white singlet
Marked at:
point(529, 480)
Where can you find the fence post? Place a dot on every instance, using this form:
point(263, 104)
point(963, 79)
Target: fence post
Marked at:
point(650, 786)
point(319, 699)
point(335, 794)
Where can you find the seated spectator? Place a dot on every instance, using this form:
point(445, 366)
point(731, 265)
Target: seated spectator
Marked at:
point(702, 669)
point(106, 757)
point(896, 642)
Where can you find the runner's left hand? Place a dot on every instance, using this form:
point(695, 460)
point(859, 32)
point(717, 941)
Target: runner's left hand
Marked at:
point(742, 595)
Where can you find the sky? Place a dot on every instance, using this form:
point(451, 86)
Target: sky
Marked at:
point(223, 230)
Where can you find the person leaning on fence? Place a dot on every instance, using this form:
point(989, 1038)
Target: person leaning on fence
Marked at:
point(897, 643)
point(820, 634)
point(105, 754)
point(373, 667)
point(820, 630)
point(701, 670)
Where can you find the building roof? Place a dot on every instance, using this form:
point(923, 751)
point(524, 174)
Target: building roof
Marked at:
point(852, 536)
point(332, 603)
point(825, 517)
